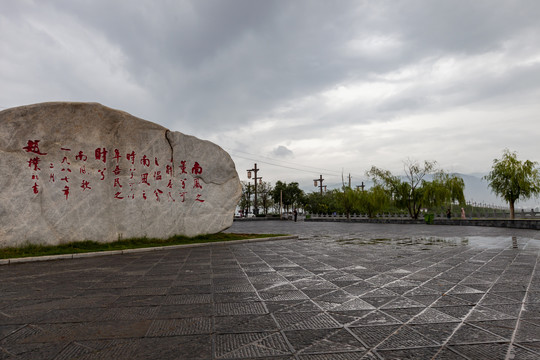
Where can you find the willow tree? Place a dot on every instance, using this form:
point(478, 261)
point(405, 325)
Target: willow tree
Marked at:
point(413, 192)
point(444, 190)
point(349, 200)
point(408, 194)
point(514, 180)
point(374, 200)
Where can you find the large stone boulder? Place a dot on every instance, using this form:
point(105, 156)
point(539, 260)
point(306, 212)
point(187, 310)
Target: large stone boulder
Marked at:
point(83, 171)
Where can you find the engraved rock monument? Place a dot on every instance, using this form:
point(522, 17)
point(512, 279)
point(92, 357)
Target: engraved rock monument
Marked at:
point(83, 171)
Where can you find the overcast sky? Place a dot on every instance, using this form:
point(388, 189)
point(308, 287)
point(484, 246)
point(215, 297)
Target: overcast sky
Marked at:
point(302, 88)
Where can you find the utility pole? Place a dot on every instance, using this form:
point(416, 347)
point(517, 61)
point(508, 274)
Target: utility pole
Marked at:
point(319, 180)
point(361, 186)
point(350, 181)
point(255, 208)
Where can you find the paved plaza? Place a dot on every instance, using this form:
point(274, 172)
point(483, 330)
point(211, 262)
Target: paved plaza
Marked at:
point(339, 291)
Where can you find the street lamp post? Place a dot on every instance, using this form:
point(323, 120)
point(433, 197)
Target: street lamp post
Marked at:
point(320, 181)
point(255, 178)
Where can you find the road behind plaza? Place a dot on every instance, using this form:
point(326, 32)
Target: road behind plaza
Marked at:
point(339, 291)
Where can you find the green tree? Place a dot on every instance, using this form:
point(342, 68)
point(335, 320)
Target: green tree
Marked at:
point(265, 192)
point(514, 180)
point(414, 192)
point(444, 190)
point(374, 200)
point(291, 193)
point(245, 200)
point(349, 200)
point(316, 203)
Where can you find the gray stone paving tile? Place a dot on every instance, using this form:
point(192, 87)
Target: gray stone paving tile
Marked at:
point(532, 346)
point(469, 334)
point(374, 335)
point(527, 331)
point(376, 318)
point(184, 310)
point(493, 351)
point(317, 341)
point(245, 323)
point(331, 294)
point(187, 299)
point(70, 315)
point(437, 332)
point(236, 297)
point(447, 354)
point(403, 314)
point(418, 353)
point(239, 308)
point(306, 320)
point(282, 295)
point(405, 337)
point(338, 356)
point(139, 300)
point(177, 347)
point(502, 328)
point(292, 306)
point(480, 313)
point(251, 345)
point(32, 351)
point(184, 326)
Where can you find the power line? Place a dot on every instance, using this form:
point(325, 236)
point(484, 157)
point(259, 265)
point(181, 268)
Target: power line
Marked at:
point(285, 161)
point(283, 166)
point(318, 171)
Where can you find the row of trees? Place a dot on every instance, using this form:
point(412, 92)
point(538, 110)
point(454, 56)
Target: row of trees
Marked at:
point(423, 187)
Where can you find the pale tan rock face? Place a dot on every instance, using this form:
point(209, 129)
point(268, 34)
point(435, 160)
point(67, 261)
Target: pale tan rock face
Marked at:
point(82, 171)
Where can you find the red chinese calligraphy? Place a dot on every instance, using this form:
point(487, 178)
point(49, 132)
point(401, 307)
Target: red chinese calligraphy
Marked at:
point(34, 162)
point(117, 195)
point(183, 195)
point(81, 156)
point(33, 147)
point(145, 161)
point(101, 154)
point(197, 184)
point(66, 191)
point(158, 192)
point(85, 185)
point(183, 166)
point(199, 198)
point(131, 157)
point(197, 169)
point(117, 155)
point(144, 179)
point(117, 183)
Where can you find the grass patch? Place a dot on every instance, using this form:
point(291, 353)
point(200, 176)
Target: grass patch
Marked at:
point(124, 244)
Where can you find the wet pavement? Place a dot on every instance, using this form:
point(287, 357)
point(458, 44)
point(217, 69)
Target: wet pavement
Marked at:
point(339, 291)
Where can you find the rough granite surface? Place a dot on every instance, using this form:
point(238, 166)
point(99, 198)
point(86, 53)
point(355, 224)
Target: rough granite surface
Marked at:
point(83, 171)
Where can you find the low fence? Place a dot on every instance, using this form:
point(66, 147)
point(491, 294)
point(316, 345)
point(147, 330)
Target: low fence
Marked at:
point(523, 222)
point(475, 214)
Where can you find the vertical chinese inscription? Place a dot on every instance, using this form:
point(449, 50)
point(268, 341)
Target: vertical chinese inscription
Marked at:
point(131, 175)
